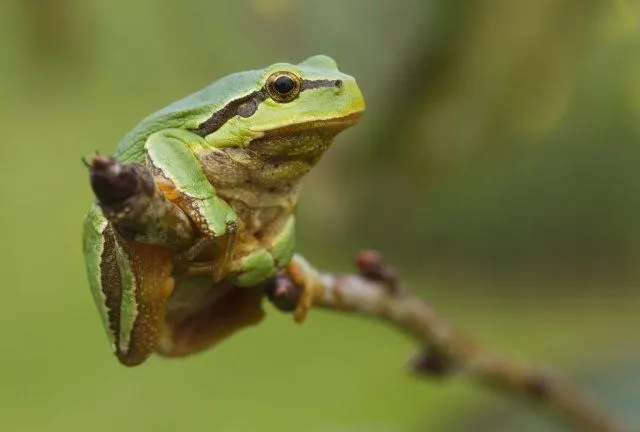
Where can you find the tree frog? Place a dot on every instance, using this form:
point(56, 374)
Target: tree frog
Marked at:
point(195, 209)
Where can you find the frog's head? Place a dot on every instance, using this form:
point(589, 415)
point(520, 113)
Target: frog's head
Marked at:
point(311, 95)
point(290, 112)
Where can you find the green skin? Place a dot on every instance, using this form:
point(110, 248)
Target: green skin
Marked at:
point(234, 154)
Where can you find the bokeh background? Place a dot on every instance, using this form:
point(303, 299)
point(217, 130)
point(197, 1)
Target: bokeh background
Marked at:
point(497, 167)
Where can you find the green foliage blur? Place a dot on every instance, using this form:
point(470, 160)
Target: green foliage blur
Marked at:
point(497, 167)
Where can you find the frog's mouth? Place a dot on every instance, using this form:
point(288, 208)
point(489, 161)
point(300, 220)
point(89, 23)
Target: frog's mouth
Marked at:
point(330, 126)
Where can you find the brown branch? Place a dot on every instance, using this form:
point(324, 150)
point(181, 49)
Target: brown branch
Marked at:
point(377, 293)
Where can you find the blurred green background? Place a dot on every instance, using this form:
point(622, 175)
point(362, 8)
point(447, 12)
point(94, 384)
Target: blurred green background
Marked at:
point(496, 167)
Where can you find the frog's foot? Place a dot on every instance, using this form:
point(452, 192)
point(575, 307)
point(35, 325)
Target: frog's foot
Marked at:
point(236, 309)
point(292, 290)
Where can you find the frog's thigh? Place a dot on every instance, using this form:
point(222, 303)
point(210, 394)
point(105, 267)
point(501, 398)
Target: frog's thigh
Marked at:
point(170, 152)
point(265, 262)
point(152, 266)
point(130, 285)
point(234, 310)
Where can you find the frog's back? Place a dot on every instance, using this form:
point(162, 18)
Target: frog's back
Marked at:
point(189, 112)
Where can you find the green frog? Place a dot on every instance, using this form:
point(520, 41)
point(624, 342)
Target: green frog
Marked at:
point(195, 209)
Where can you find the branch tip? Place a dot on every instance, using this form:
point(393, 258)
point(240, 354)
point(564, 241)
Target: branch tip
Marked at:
point(371, 267)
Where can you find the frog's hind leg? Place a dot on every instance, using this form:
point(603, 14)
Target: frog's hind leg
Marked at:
point(235, 309)
point(130, 283)
point(152, 267)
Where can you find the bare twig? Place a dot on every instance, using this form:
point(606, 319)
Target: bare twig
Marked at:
point(376, 292)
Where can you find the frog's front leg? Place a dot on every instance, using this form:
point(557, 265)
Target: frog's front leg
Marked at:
point(171, 158)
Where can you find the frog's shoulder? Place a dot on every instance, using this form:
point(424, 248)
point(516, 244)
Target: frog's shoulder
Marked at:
point(188, 112)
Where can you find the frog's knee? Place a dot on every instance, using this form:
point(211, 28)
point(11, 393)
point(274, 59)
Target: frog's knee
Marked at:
point(283, 245)
point(255, 268)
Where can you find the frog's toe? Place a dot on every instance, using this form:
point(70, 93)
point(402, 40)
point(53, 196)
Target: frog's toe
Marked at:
point(291, 291)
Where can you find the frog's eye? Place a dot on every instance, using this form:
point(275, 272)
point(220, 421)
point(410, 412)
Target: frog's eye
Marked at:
point(283, 86)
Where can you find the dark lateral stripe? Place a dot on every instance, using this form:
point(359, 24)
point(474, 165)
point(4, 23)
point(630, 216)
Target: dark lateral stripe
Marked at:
point(311, 84)
point(247, 105)
point(111, 282)
point(244, 106)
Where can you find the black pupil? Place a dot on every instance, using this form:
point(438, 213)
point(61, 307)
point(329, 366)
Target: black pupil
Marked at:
point(284, 85)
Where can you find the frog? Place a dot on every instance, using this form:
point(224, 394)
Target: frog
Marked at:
point(195, 208)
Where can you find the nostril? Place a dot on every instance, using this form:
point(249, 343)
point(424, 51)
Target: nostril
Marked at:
point(338, 83)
